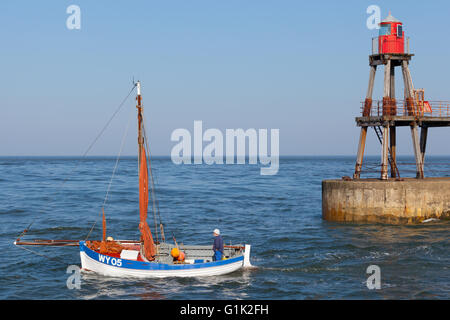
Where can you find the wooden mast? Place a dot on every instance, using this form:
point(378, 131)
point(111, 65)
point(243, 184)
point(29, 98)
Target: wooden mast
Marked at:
point(139, 107)
point(146, 234)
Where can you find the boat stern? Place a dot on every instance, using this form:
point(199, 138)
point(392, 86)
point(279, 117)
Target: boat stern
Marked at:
point(247, 263)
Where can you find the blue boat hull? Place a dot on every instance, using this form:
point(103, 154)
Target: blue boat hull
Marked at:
point(113, 266)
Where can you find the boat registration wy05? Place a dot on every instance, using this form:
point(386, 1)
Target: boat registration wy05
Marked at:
point(110, 260)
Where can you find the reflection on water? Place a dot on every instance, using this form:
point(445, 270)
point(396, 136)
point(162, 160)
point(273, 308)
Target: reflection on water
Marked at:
point(232, 286)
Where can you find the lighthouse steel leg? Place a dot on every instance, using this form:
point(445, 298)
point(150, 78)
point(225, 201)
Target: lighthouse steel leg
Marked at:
point(387, 80)
point(406, 80)
point(360, 154)
point(384, 153)
point(393, 149)
point(408, 90)
point(392, 129)
point(392, 82)
point(386, 111)
point(423, 143)
point(417, 152)
point(419, 146)
point(363, 134)
point(373, 70)
point(411, 85)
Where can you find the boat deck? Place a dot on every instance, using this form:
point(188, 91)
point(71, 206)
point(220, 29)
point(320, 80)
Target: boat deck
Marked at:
point(194, 253)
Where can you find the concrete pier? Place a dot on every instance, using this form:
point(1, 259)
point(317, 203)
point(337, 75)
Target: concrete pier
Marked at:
point(387, 201)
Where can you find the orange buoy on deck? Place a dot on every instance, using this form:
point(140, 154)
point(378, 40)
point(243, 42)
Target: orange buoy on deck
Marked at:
point(175, 253)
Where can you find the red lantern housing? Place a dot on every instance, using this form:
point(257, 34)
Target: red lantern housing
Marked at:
point(391, 36)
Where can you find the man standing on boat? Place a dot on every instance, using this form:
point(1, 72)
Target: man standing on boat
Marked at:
point(217, 246)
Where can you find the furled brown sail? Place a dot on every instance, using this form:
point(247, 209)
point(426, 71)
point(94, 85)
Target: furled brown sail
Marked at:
point(146, 234)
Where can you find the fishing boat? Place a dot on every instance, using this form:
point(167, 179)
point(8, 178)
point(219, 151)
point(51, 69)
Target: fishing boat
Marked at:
point(148, 257)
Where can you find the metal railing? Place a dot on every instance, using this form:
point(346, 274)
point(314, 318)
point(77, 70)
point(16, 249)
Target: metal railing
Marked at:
point(406, 165)
point(403, 108)
point(376, 49)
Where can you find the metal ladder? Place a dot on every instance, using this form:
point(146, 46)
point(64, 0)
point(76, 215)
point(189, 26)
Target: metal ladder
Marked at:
point(393, 164)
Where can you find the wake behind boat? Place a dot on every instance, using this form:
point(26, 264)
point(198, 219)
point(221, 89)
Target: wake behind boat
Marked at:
point(147, 257)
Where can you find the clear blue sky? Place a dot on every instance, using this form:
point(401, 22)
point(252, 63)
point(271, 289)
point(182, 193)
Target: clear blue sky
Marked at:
point(301, 67)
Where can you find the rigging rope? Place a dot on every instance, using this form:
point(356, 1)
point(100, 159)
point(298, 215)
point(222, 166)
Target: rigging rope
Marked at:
point(84, 155)
point(113, 173)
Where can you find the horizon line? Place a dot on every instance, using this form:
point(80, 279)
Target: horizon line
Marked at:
point(169, 156)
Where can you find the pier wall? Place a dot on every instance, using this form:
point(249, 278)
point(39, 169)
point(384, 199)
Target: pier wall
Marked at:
point(386, 201)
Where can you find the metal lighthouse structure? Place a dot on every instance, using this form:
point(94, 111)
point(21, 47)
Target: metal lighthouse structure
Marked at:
point(391, 49)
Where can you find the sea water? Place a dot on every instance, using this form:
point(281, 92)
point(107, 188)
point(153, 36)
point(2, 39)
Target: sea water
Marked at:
point(297, 255)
